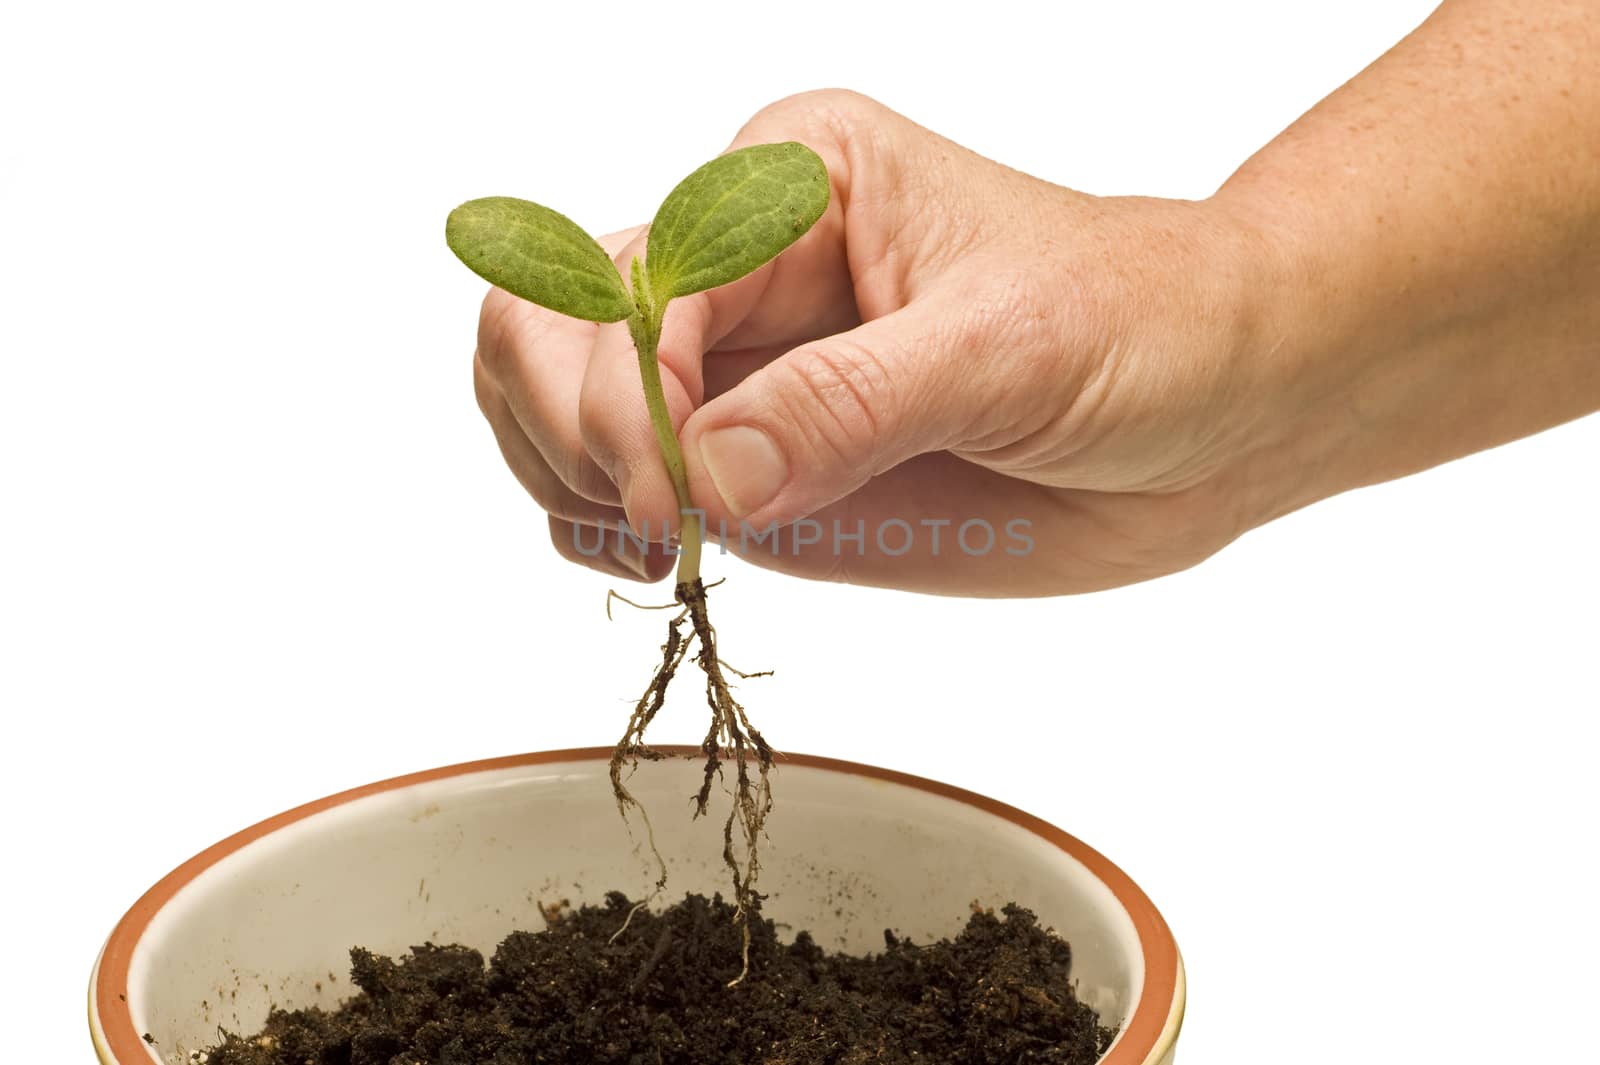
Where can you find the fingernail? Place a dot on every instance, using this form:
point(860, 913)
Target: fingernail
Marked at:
point(745, 465)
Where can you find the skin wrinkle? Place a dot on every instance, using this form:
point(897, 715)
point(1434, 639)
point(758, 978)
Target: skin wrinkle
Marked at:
point(1000, 332)
point(954, 233)
point(1022, 446)
point(878, 272)
point(820, 374)
point(1182, 366)
point(1032, 449)
point(965, 344)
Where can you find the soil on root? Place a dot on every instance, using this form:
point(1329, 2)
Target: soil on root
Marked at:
point(999, 993)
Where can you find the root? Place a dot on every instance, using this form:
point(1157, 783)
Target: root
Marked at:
point(631, 747)
point(635, 908)
point(612, 593)
point(730, 738)
point(742, 675)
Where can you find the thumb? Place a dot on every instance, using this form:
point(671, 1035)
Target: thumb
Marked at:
point(820, 421)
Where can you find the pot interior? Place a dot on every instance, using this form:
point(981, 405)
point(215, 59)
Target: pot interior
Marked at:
point(467, 858)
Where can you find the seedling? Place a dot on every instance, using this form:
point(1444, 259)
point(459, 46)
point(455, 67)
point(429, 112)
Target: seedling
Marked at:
point(723, 221)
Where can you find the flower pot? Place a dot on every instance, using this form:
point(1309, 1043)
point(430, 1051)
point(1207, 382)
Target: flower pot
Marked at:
point(465, 853)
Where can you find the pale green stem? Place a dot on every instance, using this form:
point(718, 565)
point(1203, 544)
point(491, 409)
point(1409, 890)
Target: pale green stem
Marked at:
point(645, 327)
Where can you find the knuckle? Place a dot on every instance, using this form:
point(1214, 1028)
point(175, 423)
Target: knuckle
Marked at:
point(554, 499)
point(558, 500)
point(833, 114)
point(831, 100)
point(838, 396)
point(483, 389)
point(497, 339)
point(594, 420)
point(535, 477)
point(588, 480)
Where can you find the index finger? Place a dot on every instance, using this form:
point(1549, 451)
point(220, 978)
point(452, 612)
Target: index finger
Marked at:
point(537, 359)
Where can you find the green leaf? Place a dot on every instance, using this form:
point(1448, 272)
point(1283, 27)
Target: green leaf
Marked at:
point(732, 215)
point(544, 257)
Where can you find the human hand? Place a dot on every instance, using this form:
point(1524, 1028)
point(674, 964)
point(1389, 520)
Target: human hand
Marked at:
point(954, 344)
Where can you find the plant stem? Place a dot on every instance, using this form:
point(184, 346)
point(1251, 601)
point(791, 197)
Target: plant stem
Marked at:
point(645, 326)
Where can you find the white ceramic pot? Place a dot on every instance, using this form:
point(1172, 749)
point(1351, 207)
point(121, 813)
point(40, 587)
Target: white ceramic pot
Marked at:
point(464, 853)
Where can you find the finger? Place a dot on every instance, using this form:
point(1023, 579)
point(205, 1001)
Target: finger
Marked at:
point(938, 524)
point(536, 358)
point(819, 422)
point(587, 546)
point(528, 465)
point(933, 524)
point(607, 550)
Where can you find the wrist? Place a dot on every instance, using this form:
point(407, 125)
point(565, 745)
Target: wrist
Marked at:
point(1320, 358)
point(1272, 439)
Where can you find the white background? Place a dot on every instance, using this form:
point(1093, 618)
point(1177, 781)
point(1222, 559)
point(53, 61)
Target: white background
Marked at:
point(258, 545)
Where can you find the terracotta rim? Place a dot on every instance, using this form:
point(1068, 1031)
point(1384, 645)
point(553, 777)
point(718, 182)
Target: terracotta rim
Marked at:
point(1141, 1033)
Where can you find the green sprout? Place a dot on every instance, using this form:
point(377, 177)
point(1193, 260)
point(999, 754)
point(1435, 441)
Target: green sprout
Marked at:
point(728, 218)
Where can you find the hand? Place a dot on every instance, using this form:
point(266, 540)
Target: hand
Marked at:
point(969, 380)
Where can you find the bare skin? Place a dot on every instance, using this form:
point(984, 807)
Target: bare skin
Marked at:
point(1408, 274)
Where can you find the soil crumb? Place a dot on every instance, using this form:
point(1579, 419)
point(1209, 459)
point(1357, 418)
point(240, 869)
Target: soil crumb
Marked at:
point(999, 993)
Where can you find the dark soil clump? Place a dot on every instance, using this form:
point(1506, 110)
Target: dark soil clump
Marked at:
point(997, 994)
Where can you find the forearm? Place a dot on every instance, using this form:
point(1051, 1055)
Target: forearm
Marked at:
point(1433, 230)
